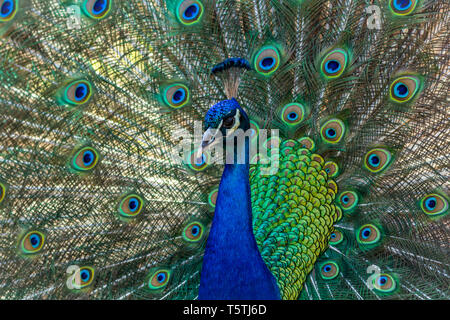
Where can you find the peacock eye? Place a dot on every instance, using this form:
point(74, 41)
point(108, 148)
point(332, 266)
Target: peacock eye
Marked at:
point(228, 123)
point(2, 192)
point(402, 7)
point(384, 283)
point(329, 270)
point(32, 242)
point(193, 232)
point(78, 92)
point(189, 12)
point(334, 63)
point(368, 234)
point(198, 163)
point(307, 143)
point(267, 60)
point(85, 159)
point(131, 206)
point(331, 168)
point(176, 95)
point(404, 89)
point(434, 204)
point(348, 200)
point(332, 131)
point(8, 9)
point(212, 197)
point(97, 9)
point(336, 237)
point(83, 277)
point(159, 279)
point(376, 160)
point(293, 113)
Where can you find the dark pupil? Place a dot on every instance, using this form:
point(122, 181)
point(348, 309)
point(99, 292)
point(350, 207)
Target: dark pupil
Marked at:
point(333, 236)
point(160, 277)
point(79, 92)
point(267, 62)
point(327, 269)
point(87, 157)
point(99, 5)
point(333, 65)
point(33, 241)
point(375, 160)
point(402, 89)
point(228, 122)
point(292, 115)
point(345, 199)
point(331, 132)
point(431, 203)
point(382, 280)
point(133, 205)
point(195, 231)
point(402, 3)
point(366, 233)
point(178, 95)
point(327, 170)
point(191, 11)
point(83, 275)
point(6, 7)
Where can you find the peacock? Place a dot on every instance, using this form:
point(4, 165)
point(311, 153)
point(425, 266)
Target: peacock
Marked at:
point(224, 149)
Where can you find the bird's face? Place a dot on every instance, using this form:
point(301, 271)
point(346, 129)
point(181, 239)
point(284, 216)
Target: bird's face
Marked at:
point(221, 122)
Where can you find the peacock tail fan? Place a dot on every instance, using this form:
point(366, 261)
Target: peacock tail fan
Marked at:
point(94, 199)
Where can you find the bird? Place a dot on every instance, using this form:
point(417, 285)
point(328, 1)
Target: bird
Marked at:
point(224, 149)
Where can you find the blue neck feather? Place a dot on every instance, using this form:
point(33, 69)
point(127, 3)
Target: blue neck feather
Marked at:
point(232, 265)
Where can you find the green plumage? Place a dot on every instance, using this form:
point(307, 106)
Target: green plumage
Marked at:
point(57, 212)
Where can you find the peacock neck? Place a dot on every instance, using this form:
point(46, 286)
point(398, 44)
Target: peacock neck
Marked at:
point(232, 265)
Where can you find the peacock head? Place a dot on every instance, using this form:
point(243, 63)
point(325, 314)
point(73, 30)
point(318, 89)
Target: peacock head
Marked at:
point(222, 122)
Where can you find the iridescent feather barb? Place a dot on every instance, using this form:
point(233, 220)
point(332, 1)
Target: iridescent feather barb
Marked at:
point(93, 205)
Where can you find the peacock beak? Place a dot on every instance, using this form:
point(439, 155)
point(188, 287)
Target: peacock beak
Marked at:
point(210, 137)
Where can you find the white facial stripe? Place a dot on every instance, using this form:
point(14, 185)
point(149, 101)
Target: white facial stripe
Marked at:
point(237, 123)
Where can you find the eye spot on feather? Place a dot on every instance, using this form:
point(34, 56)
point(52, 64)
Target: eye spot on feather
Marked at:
point(198, 163)
point(331, 168)
point(32, 242)
point(84, 277)
point(189, 12)
point(267, 60)
point(348, 200)
point(384, 283)
point(332, 131)
point(2, 192)
point(336, 237)
point(292, 113)
point(131, 205)
point(334, 63)
point(97, 9)
point(402, 7)
point(272, 142)
point(255, 129)
point(329, 270)
point(159, 279)
point(434, 204)
point(193, 232)
point(8, 9)
point(176, 96)
point(404, 89)
point(376, 160)
point(307, 143)
point(368, 234)
point(85, 159)
point(78, 92)
point(212, 197)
